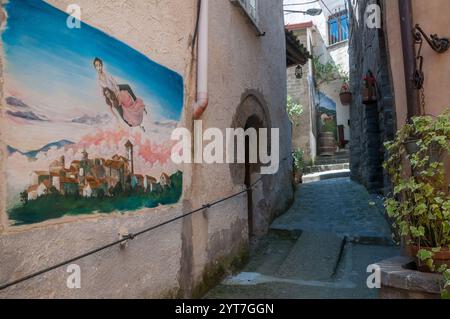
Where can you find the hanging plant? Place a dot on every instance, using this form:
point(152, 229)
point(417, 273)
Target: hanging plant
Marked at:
point(345, 94)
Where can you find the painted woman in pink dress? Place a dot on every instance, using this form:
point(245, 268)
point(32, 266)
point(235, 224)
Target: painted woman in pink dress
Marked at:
point(131, 111)
point(120, 97)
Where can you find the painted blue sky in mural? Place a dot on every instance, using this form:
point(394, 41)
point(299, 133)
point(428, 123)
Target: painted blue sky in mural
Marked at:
point(324, 101)
point(53, 65)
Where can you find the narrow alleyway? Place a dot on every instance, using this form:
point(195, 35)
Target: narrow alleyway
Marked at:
point(320, 248)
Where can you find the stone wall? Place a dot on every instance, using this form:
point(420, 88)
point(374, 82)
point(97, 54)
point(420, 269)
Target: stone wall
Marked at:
point(186, 257)
point(371, 125)
point(298, 89)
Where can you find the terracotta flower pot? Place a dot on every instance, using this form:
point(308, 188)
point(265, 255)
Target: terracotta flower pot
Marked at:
point(440, 258)
point(346, 98)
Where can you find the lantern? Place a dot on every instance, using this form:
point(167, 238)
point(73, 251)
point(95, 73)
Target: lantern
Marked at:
point(299, 72)
point(369, 92)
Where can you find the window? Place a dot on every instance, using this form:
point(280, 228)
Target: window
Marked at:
point(338, 27)
point(250, 8)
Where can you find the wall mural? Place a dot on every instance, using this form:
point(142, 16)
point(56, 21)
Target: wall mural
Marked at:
point(86, 120)
point(326, 113)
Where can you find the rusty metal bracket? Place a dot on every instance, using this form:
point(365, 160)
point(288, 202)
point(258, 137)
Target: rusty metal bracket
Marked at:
point(439, 45)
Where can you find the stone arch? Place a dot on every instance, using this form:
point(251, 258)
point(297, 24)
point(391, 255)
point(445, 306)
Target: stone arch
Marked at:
point(252, 112)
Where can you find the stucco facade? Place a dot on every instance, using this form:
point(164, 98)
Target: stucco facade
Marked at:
point(184, 257)
point(436, 66)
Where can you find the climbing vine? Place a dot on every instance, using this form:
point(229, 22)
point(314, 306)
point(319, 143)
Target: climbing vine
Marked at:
point(328, 72)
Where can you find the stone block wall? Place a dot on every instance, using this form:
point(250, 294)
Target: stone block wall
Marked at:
point(298, 89)
point(371, 125)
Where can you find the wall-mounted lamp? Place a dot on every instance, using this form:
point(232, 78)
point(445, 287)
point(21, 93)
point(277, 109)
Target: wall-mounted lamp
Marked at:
point(299, 72)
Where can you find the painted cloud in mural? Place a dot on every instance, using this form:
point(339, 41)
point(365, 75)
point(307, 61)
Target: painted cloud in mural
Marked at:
point(86, 118)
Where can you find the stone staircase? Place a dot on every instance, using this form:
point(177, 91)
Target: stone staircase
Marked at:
point(328, 167)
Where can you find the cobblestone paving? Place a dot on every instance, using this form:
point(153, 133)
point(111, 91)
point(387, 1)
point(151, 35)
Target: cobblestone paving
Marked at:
point(338, 206)
point(334, 226)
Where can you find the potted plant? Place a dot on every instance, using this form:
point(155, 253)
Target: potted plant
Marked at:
point(420, 202)
point(299, 165)
point(345, 94)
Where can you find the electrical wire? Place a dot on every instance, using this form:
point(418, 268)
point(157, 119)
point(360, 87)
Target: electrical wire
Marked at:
point(131, 236)
point(321, 1)
point(300, 4)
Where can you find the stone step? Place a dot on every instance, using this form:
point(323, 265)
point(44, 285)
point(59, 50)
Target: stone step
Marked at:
point(315, 256)
point(325, 168)
point(332, 162)
point(341, 153)
point(330, 159)
point(337, 154)
point(316, 177)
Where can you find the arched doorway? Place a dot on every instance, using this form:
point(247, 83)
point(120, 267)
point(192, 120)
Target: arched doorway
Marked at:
point(251, 171)
point(252, 113)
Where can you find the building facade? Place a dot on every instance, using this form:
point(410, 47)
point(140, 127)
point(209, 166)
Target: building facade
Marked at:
point(185, 257)
point(318, 90)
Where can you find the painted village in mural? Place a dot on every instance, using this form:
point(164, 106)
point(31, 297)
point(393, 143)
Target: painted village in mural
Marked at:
point(87, 120)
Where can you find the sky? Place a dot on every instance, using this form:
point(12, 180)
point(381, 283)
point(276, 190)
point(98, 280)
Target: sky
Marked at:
point(303, 5)
point(50, 66)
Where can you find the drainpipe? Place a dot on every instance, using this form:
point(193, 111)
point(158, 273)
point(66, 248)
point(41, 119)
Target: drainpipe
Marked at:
point(409, 58)
point(202, 65)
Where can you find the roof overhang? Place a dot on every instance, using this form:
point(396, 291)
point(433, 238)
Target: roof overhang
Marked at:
point(296, 53)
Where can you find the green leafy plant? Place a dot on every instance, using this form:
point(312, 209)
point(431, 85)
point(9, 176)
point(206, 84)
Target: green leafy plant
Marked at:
point(294, 110)
point(328, 72)
point(299, 163)
point(420, 202)
point(446, 289)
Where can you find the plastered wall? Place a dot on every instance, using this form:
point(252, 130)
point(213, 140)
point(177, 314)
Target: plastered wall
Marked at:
point(429, 15)
point(173, 261)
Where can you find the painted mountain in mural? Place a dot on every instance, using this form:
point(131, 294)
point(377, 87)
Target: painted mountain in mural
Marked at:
point(98, 119)
point(94, 128)
point(31, 116)
point(325, 102)
point(32, 154)
point(13, 101)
